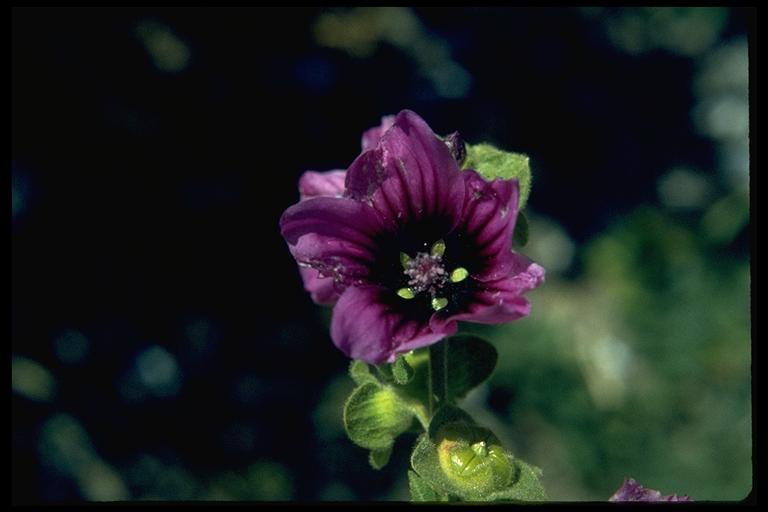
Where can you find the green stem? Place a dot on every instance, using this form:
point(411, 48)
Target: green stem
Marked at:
point(430, 384)
point(438, 375)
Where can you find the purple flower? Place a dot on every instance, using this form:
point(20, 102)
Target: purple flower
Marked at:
point(632, 491)
point(409, 245)
point(372, 136)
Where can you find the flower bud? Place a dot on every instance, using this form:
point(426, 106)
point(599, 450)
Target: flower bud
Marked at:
point(473, 459)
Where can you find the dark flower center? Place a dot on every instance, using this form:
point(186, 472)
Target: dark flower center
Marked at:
point(426, 273)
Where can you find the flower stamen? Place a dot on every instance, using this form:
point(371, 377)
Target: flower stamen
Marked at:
point(439, 303)
point(404, 260)
point(438, 249)
point(458, 275)
point(426, 273)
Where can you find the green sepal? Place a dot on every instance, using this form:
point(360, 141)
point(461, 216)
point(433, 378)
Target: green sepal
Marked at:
point(493, 163)
point(527, 486)
point(374, 415)
point(414, 392)
point(361, 372)
point(402, 372)
point(421, 490)
point(463, 362)
point(379, 458)
point(520, 237)
point(384, 373)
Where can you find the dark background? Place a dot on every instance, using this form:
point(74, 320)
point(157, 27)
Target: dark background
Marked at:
point(154, 151)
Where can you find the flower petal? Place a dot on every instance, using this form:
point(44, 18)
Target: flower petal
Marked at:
point(371, 136)
point(315, 184)
point(500, 301)
point(332, 235)
point(323, 290)
point(630, 490)
point(488, 221)
point(409, 176)
point(365, 327)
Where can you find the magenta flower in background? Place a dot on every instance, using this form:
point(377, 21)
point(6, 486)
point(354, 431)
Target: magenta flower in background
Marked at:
point(408, 244)
point(632, 491)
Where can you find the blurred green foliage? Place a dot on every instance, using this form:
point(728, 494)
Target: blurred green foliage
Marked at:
point(640, 368)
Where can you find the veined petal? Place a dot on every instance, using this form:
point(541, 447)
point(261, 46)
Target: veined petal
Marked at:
point(499, 301)
point(333, 236)
point(335, 217)
point(323, 290)
point(365, 327)
point(409, 176)
point(372, 136)
point(317, 184)
point(488, 221)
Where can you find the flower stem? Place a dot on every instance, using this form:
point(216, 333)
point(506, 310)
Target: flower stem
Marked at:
point(438, 375)
point(430, 384)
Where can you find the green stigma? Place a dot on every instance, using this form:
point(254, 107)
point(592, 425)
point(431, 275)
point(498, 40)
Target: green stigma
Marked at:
point(439, 303)
point(406, 293)
point(438, 249)
point(459, 274)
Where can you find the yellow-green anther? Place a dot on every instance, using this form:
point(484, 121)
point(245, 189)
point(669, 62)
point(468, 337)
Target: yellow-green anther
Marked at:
point(439, 303)
point(438, 248)
point(459, 274)
point(406, 293)
point(404, 260)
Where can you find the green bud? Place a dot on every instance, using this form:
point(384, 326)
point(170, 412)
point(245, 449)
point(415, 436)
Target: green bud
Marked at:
point(375, 415)
point(473, 459)
point(361, 372)
point(402, 371)
point(379, 458)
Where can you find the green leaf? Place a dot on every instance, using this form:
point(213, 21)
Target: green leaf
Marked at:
point(526, 487)
point(520, 236)
point(492, 163)
point(361, 372)
point(421, 490)
point(374, 415)
point(462, 362)
point(402, 371)
point(379, 458)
